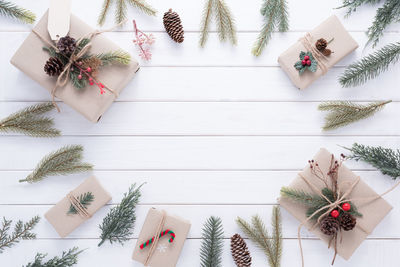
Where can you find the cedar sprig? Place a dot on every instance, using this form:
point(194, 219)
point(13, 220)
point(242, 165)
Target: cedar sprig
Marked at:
point(258, 233)
point(212, 243)
point(84, 199)
point(384, 159)
point(66, 160)
point(67, 259)
point(21, 231)
point(371, 66)
point(342, 113)
point(118, 224)
point(30, 121)
point(11, 10)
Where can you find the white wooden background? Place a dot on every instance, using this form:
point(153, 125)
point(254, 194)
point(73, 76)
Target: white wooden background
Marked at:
point(212, 131)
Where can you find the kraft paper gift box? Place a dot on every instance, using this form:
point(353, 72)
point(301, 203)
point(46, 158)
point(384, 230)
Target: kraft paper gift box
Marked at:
point(341, 45)
point(165, 254)
point(373, 211)
point(30, 59)
point(63, 222)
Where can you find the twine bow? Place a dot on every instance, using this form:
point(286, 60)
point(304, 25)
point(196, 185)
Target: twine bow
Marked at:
point(307, 42)
point(82, 211)
point(156, 239)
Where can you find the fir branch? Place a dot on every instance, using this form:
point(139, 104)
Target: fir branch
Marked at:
point(299, 196)
point(370, 66)
point(104, 12)
point(283, 16)
point(277, 234)
point(384, 159)
point(30, 121)
point(206, 20)
point(345, 112)
point(143, 6)
point(225, 23)
point(212, 243)
point(68, 258)
point(120, 12)
point(84, 199)
point(118, 224)
point(11, 10)
point(118, 56)
point(22, 231)
point(66, 160)
point(352, 5)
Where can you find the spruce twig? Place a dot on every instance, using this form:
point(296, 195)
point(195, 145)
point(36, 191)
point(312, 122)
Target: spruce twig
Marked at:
point(30, 121)
point(302, 197)
point(118, 56)
point(66, 160)
point(118, 224)
point(11, 10)
point(67, 259)
point(22, 231)
point(84, 199)
point(352, 5)
point(342, 113)
point(143, 6)
point(212, 243)
point(206, 20)
point(104, 12)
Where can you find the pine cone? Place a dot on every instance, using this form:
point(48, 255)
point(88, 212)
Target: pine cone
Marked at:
point(326, 52)
point(347, 221)
point(321, 44)
point(329, 225)
point(53, 66)
point(66, 45)
point(240, 252)
point(173, 26)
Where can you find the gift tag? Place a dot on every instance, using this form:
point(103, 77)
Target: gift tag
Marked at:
point(59, 18)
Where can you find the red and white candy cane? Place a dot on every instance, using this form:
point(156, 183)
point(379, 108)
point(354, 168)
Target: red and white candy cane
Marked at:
point(163, 233)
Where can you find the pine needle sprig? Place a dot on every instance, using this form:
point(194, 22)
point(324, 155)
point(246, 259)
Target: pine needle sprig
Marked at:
point(206, 20)
point(118, 56)
point(67, 259)
point(118, 224)
point(143, 6)
point(104, 12)
point(66, 160)
point(212, 243)
point(120, 12)
point(342, 113)
point(302, 197)
point(22, 231)
point(284, 16)
point(352, 5)
point(84, 199)
point(371, 66)
point(30, 121)
point(11, 10)
point(384, 159)
point(225, 23)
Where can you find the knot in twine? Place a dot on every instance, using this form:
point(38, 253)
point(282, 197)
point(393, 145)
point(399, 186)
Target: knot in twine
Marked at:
point(82, 211)
point(156, 239)
point(307, 42)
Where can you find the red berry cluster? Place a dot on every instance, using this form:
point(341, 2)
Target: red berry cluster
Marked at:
point(345, 207)
point(91, 80)
point(306, 61)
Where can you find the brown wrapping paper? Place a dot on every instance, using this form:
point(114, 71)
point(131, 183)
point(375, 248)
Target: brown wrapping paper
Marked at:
point(342, 45)
point(373, 212)
point(166, 254)
point(65, 223)
point(30, 59)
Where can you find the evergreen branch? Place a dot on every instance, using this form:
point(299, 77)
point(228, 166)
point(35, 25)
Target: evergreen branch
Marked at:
point(352, 5)
point(118, 224)
point(120, 12)
point(283, 16)
point(84, 199)
point(30, 121)
point(225, 23)
point(206, 20)
point(277, 235)
point(68, 258)
point(384, 159)
point(261, 230)
point(66, 160)
point(118, 56)
point(11, 10)
point(302, 197)
point(104, 12)
point(344, 112)
point(143, 6)
point(212, 243)
point(22, 231)
point(370, 66)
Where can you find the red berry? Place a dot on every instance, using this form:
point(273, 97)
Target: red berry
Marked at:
point(335, 213)
point(101, 85)
point(306, 58)
point(346, 206)
point(79, 77)
point(91, 83)
point(89, 69)
point(308, 62)
point(303, 62)
point(90, 79)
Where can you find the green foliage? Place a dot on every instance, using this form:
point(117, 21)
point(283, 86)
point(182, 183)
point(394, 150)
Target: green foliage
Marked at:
point(276, 16)
point(84, 199)
point(118, 56)
point(66, 160)
point(30, 121)
point(342, 113)
point(258, 233)
point(68, 258)
point(76, 82)
point(352, 5)
point(299, 66)
point(118, 224)
point(384, 159)
point(370, 66)
point(212, 243)
point(22, 231)
point(206, 20)
point(11, 10)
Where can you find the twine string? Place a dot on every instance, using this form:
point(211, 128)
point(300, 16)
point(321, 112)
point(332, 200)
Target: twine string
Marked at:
point(156, 239)
point(82, 211)
point(307, 42)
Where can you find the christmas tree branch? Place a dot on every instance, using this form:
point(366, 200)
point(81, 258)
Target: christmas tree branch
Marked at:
point(212, 243)
point(302, 197)
point(283, 16)
point(68, 258)
point(352, 5)
point(143, 6)
point(225, 24)
point(206, 20)
point(11, 10)
point(118, 56)
point(104, 12)
point(84, 199)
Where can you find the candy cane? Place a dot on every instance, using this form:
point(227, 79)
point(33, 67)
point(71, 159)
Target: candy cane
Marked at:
point(166, 232)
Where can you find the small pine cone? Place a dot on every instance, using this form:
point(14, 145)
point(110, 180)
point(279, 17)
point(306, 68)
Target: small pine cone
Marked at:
point(321, 44)
point(173, 26)
point(53, 66)
point(347, 221)
point(329, 225)
point(326, 52)
point(66, 45)
point(240, 252)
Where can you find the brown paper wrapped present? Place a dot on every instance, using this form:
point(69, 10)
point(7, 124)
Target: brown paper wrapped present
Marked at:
point(161, 252)
point(342, 44)
point(373, 207)
point(69, 213)
point(30, 59)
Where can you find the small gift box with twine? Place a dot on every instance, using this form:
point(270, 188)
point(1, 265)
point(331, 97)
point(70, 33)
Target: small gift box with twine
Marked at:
point(161, 239)
point(77, 206)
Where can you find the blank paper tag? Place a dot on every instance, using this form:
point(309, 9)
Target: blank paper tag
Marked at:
point(59, 18)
